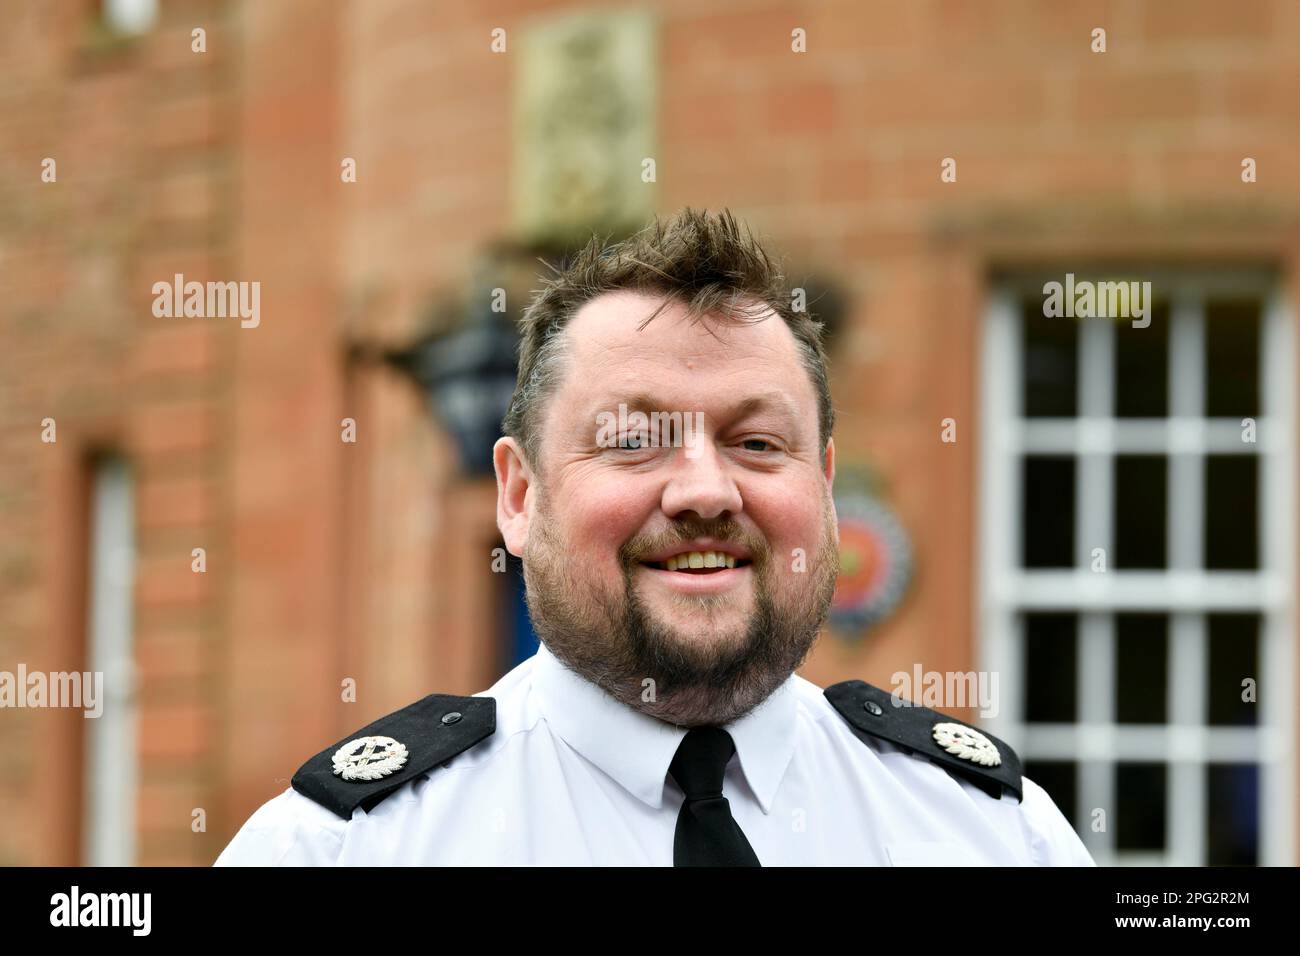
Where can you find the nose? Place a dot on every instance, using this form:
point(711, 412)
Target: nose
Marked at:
point(701, 483)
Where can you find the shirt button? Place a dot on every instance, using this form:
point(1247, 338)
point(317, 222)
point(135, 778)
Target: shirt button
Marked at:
point(872, 708)
point(451, 718)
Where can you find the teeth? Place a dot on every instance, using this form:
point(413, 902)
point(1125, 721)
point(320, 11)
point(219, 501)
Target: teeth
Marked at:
point(700, 559)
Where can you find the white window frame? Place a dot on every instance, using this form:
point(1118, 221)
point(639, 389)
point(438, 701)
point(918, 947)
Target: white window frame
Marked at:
point(111, 759)
point(1186, 593)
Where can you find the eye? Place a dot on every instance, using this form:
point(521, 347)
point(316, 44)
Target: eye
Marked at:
point(757, 441)
point(633, 441)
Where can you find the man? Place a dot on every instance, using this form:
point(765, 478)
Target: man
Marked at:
point(679, 565)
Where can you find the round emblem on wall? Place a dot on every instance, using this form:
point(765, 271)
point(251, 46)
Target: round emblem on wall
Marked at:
point(875, 556)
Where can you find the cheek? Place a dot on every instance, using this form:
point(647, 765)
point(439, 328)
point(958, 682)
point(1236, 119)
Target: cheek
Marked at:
point(788, 520)
point(601, 514)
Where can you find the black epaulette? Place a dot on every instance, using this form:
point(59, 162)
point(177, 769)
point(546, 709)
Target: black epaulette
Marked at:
point(954, 745)
point(360, 772)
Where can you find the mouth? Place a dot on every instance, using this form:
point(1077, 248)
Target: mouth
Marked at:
point(699, 563)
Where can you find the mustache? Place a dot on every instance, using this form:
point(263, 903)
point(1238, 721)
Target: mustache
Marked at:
point(728, 530)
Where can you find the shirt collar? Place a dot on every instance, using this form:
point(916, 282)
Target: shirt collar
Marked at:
point(636, 750)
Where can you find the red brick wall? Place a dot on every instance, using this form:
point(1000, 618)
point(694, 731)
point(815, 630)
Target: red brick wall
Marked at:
point(142, 138)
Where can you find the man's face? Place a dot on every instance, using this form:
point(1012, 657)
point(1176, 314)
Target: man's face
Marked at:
point(741, 485)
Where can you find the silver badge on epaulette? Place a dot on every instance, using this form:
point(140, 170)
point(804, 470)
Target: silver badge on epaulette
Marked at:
point(369, 758)
point(967, 744)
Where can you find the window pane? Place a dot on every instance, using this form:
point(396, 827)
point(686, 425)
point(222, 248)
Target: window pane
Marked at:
point(1234, 658)
point(1141, 668)
point(1232, 358)
point(1142, 367)
point(1140, 806)
point(1051, 655)
point(1059, 778)
point(1140, 511)
point(1231, 520)
point(1048, 531)
point(1051, 348)
point(1232, 802)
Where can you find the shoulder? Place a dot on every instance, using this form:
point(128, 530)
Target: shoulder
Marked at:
point(372, 762)
point(961, 749)
point(287, 830)
point(307, 824)
point(965, 752)
point(1052, 840)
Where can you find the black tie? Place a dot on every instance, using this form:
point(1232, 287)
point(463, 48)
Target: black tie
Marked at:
point(707, 834)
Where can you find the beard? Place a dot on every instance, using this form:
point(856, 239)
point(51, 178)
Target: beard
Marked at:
point(616, 642)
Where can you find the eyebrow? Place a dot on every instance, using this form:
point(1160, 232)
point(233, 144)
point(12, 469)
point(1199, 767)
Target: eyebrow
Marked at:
point(644, 402)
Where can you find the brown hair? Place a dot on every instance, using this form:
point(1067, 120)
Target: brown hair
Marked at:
point(701, 261)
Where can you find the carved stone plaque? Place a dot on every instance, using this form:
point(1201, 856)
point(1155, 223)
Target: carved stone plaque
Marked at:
point(584, 123)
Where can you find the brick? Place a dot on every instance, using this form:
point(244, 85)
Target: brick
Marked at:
point(174, 732)
point(184, 502)
point(185, 197)
point(175, 348)
point(157, 847)
point(1146, 95)
point(805, 109)
point(170, 582)
point(912, 98)
point(162, 428)
point(1267, 97)
point(174, 655)
point(1207, 23)
point(188, 122)
point(167, 806)
point(196, 262)
point(169, 49)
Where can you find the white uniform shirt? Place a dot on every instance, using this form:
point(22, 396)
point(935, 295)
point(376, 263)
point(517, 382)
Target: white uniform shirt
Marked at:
point(573, 777)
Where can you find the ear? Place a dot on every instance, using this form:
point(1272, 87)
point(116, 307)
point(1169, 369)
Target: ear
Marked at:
point(829, 475)
point(514, 494)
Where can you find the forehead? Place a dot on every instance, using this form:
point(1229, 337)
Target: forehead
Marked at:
point(606, 345)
